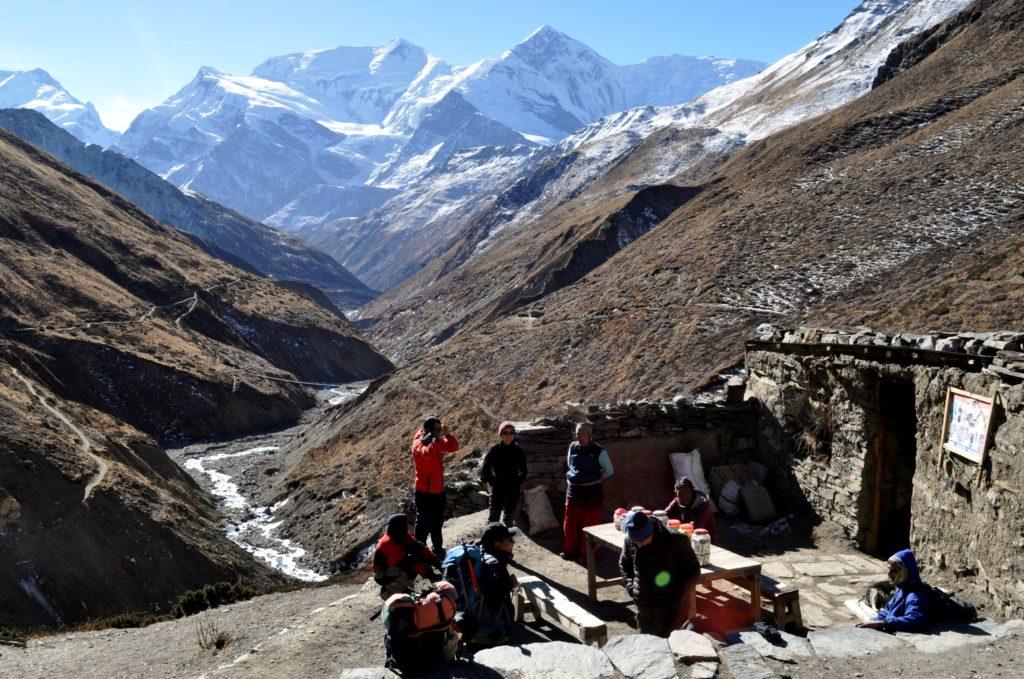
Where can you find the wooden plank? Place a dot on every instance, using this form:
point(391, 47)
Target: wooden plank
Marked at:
point(1005, 372)
point(591, 566)
point(555, 607)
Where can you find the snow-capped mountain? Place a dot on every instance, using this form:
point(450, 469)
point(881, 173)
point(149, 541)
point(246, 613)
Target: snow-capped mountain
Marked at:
point(273, 144)
point(38, 90)
point(833, 69)
point(639, 147)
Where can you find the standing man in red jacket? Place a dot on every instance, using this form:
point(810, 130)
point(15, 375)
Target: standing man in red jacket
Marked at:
point(428, 448)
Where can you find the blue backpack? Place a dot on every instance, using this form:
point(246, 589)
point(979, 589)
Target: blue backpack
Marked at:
point(463, 567)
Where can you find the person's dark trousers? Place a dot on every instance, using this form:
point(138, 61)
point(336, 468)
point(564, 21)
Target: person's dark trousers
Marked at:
point(504, 500)
point(430, 518)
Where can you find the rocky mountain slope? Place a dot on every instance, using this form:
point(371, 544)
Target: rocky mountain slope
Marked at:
point(37, 90)
point(619, 154)
point(346, 120)
point(117, 332)
point(270, 251)
point(912, 184)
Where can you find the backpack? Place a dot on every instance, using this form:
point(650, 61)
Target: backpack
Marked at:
point(420, 632)
point(949, 608)
point(463, 567)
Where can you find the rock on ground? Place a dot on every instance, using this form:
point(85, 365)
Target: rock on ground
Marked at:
point(641, 655)
point(368, 673)
point(689, 646)
point(703, 670)
point(845, 642)
point(551, 660)
point(745, 663)
point(941, 638)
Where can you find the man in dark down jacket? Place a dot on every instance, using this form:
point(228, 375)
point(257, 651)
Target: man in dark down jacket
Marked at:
point(504, 470)
point(660, 571)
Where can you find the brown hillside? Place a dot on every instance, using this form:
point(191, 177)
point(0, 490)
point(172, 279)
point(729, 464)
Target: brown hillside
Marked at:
point(82, 270)
point(111, 318)
point(894, 193)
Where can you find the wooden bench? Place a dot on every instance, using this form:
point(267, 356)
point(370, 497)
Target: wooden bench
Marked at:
point(785, 601)
point(547, 603)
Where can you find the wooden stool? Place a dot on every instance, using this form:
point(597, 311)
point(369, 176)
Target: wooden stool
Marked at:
point(786, 602)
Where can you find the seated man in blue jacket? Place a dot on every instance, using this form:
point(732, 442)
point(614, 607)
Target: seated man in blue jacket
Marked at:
point(909, 608)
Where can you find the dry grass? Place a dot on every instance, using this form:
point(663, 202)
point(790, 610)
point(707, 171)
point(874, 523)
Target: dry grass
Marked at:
point(210, 637)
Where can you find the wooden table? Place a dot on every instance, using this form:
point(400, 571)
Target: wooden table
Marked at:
point(724, 565)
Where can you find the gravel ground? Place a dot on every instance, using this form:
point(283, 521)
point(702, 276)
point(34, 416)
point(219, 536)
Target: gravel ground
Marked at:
point(318, 631)
point(1000, 658)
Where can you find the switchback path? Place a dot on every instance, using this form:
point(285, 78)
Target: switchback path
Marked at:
point(85, 445)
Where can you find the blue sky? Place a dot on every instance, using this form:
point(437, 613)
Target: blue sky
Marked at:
point(126, 55)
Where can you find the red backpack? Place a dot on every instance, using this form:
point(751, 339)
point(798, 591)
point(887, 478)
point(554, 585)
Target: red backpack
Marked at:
point(411, 616)
point(421, 631)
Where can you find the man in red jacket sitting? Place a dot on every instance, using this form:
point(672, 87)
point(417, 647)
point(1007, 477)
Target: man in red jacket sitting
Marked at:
point(399, 559)
point(428, 448)
point(693, 506)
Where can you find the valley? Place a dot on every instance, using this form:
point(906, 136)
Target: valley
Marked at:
point(221, 329)
point(239, 473)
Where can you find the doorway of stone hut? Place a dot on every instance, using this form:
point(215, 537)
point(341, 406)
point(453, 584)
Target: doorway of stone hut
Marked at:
point(890, 470)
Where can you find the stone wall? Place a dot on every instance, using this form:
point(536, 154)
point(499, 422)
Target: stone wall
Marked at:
point(818, 430)
point(638, 437)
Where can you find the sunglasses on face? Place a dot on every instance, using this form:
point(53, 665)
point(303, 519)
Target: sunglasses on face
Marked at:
point(508, 433)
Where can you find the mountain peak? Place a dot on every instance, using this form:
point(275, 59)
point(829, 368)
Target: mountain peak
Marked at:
point(545, 37)
point(547, 43)
point(37, 89)
point(207, 72)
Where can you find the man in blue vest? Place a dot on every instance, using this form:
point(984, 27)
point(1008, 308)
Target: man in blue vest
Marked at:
point(589, 465)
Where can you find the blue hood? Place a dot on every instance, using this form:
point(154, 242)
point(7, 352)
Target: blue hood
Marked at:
point(906, 557)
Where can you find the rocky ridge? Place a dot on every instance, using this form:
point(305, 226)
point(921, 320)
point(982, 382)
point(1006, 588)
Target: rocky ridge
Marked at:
point(250, 244)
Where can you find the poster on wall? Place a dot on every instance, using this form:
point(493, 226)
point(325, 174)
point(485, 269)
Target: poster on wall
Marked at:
point(968, 422)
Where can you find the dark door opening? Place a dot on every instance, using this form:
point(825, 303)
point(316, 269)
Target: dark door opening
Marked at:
point(895, 458)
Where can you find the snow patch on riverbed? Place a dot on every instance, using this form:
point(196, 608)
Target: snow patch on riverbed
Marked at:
point(279, 553)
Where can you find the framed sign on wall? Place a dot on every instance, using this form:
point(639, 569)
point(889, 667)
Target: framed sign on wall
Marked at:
point(967, 424)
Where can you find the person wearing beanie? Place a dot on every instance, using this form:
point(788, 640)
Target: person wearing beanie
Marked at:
point(659, 570)
point(399, 559)
point(429, 445)
point(693, 506)
point(588, 467)
point(504, 470)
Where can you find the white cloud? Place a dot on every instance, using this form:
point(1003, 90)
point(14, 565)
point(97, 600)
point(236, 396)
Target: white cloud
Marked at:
point(117, 112)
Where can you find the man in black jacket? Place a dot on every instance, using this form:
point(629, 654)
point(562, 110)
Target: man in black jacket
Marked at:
point(497, 585)
point(660, 571)
point(504, 469)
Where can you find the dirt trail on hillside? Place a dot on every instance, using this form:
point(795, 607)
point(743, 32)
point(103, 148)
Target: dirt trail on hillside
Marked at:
point(86, 444)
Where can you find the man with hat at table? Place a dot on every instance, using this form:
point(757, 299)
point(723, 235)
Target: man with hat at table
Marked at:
point(660, 571)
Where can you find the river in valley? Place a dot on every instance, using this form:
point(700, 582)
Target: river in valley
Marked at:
point(237, 473)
